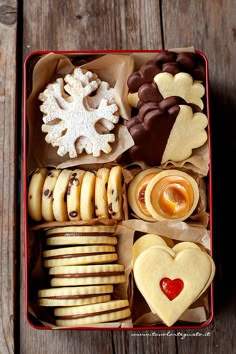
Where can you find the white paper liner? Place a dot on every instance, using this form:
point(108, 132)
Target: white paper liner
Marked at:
point(176, 230)
point(196, 315)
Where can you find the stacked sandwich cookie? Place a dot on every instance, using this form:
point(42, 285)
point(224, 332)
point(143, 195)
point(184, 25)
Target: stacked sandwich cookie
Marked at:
point(83, 274)
point(96, 313)
point(81, 235)
point(171, 278)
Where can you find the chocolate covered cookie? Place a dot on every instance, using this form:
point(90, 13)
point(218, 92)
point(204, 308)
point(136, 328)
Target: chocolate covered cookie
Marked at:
point(142, 86)
point(166, 131)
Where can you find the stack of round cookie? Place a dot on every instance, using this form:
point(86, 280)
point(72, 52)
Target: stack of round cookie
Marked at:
point(84, 269)
point(63, 195)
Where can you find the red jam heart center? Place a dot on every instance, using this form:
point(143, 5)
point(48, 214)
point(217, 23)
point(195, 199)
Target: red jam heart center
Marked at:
point(171, 288)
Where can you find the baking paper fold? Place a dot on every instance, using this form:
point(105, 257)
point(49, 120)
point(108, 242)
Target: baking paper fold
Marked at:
point(113, 68)
point(40, 154)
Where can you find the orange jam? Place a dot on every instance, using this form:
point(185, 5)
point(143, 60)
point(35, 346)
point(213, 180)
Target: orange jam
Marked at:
point(172, 197)
point(140, 193)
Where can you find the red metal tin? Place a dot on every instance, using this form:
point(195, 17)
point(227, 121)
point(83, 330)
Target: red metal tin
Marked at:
point(28, 65)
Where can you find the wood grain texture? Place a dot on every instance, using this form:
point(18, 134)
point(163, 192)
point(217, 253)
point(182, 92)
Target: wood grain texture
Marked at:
point(135, 24)
point(141, 342)
point(8, 13)
point(75, 25)
point(210, 26)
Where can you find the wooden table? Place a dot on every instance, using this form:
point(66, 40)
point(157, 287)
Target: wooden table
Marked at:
point(27, 26)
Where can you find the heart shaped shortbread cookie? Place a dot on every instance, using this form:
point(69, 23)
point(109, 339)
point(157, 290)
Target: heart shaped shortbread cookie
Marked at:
point(150, 240)
point(171, 283)
point(147, 241)
point(184, 245)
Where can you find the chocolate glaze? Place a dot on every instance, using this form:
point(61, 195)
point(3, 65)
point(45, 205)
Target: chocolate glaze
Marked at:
point(76, 234)
point(66, 297)
point(149, 92)
point(77, 255)
point(93, 313)
point(85, 275)
point(142, 81)
point(151, 128)
point(170, 62)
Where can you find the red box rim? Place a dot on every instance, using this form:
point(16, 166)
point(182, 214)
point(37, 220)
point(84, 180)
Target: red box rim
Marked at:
point(25, 212)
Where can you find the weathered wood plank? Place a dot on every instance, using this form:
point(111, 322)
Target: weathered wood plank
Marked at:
point(75, 25)
point(139, 342)
point(210, 27)
point(8, 21)
point(90, 25)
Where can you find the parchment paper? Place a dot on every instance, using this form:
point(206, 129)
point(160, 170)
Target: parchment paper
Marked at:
point(110, 68)
point(39, 278)
point(115, 69)
point(141, 314)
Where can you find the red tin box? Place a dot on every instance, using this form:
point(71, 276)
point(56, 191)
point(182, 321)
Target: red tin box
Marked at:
point(36, 316)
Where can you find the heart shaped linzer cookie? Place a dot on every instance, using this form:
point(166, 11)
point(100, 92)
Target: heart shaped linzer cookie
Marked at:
point(170, 284)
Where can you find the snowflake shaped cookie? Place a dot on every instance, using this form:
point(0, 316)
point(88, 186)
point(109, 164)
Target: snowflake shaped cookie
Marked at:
point(79, 113)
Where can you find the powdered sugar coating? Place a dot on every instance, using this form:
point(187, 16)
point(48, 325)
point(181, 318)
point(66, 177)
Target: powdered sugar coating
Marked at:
point(75, 121)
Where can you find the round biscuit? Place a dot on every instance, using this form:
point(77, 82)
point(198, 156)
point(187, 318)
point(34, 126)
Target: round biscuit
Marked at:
point(94, 268)
point(59, 203)
point(74, 302)
point(35, 193)
point(81, 235)
point(74, 260)
point(81, 310)
point(96, 280)
point(87, 275)
point(82, 229)
point(87, 192)
point(108, 317)
point(47, 194)
point(97, 313)
point(73, 194)
point(132, 191)
point(81, 240)
point(101, 203)
point(160, 214)
point(80, 250)
point(80, 290)
point(114, 193)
